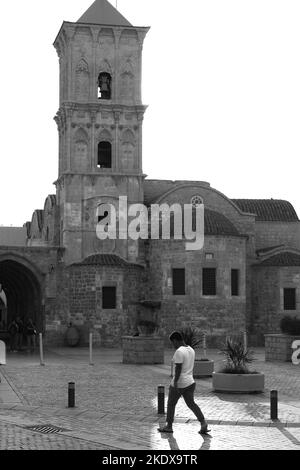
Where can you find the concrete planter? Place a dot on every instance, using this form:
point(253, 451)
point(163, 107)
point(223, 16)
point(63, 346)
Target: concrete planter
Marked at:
point(238, 383)
point(143, 350)
point(203, 368)
point(278, 347)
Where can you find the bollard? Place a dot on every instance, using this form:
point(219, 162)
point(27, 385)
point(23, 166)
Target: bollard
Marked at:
point(245, 340)
point(41, 350)
point(274, 404)
point(2, 354)
point(91, 349)
point(204, 344)
point(71, 395)
point(161, 400)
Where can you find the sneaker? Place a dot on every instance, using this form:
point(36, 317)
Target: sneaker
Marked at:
point(166, 429)
point(204, 428)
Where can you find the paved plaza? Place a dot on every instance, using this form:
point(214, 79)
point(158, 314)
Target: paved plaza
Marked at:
point(116, 406)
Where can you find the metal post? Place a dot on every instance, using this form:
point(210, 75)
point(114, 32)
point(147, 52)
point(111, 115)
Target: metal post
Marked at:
point(91, 349)
point(161, 400)
point(2, 354)
point(71, 395)
point(41, 350)
point(274, 404)
point(204, 344)
point(245, 340)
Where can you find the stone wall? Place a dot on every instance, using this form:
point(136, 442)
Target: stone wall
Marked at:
point(277, 233)
point(268, 283)
point(278, 347)
point(143, 350)
point(218, 315)
point(84, 309)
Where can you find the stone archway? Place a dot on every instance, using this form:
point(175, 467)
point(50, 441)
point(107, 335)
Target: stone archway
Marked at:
point(22, 284)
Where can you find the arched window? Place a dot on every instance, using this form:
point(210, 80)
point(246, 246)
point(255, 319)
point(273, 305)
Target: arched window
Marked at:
point(104, 86)
point(104, 154)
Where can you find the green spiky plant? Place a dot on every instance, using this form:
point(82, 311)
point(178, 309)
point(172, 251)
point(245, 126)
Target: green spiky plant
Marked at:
point(191, 336)
point(237, 358)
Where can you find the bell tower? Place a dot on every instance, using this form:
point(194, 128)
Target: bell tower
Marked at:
point(99, 123)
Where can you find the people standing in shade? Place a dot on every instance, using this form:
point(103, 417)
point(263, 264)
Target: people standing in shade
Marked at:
point(183, 384)
point(13, 335)
point(20, 333)
point(30, 332)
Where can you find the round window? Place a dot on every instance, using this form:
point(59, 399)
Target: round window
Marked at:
point(196, 200)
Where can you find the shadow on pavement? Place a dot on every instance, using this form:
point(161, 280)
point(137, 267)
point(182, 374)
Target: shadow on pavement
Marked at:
point(206, 442)
point(172, 441)
point(288, 435)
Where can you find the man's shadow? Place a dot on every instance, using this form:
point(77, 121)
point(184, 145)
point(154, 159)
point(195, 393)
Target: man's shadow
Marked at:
point(174, 444)
point(206, 442)
point(171, 439)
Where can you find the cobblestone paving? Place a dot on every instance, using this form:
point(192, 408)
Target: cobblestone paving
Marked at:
point(13, 437)
point(116, 406)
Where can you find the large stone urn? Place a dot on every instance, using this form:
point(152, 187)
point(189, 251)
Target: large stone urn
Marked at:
point(145, 347)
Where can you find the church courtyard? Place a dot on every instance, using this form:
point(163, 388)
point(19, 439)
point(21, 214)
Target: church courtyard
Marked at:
point(116, 405)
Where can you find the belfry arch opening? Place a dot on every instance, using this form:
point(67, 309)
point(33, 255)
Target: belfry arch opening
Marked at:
point(104, 86)
point(23, 294)
point(104, 155)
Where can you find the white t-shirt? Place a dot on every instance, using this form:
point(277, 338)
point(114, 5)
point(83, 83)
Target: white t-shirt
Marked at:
point(184, 355)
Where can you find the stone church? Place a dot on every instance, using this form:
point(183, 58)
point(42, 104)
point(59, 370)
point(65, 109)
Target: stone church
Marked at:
point(56, 270)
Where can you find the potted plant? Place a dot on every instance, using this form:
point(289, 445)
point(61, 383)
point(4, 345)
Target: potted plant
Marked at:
point(203, 366)
point(236, 377)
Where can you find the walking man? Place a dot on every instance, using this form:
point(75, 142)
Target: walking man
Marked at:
point(183, 384)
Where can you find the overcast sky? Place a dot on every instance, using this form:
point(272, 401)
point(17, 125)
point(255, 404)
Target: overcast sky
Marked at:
point(221, 78)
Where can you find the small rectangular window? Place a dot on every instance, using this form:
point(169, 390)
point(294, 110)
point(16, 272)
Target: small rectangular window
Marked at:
point(209, 256)
point(109, 297)
point(209, 286)
point(289, 299)
point(234, 282)
point(179, 281)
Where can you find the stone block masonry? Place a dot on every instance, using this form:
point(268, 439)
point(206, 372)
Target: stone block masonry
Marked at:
point(143, 350)
point(278, 347)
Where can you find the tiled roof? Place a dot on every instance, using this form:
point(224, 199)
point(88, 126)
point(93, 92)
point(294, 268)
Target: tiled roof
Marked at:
point(102, 12)
point(267, 248)
point(40, 217)
point(104, 260)
point(214, 224)
point(217, 224)
point(27, 225)
point(268, 210)
point(286, 258)
point(153, 189)
point(52, 198)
